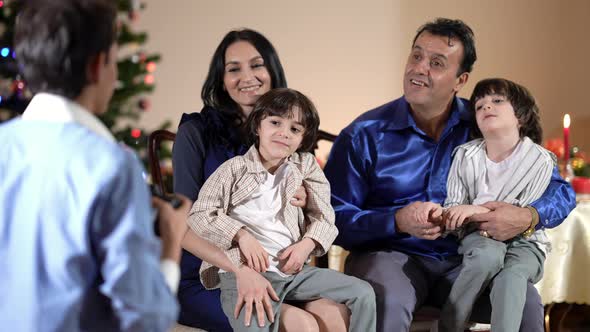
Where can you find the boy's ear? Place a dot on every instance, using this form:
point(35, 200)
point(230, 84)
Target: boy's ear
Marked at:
point(93, 69)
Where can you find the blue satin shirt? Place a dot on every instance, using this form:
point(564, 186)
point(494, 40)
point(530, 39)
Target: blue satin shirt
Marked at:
point(382, 162)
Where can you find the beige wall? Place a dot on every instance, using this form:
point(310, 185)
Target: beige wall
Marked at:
point(348, 55)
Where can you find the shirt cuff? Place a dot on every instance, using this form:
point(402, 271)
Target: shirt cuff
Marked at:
point(171, 272)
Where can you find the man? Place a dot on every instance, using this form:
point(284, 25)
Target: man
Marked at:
point(77, 248)
point(393, 159)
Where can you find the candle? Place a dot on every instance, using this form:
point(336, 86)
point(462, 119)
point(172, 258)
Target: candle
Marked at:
point(566, 137)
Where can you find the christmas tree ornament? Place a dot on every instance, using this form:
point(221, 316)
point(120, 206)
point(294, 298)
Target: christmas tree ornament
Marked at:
point(133, 15)
point(142, 57)
point(143, 104)
point(150, 67)
point(149, 79)
point(136, 133)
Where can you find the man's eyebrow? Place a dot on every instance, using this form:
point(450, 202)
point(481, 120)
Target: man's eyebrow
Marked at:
point(435, 54)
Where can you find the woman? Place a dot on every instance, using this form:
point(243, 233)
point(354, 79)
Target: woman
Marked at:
point(245, 65)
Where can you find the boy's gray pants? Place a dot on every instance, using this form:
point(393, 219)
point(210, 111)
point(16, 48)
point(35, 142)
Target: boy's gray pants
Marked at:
point(310, 284)
point(507, 267)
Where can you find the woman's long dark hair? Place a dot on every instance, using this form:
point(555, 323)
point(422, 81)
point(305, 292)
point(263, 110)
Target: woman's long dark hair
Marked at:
point(213, 93)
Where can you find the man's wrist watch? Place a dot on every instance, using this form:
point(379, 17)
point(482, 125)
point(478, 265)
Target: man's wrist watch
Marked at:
point(534, 221)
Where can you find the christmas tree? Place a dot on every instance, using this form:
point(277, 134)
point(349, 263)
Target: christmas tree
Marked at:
point(136, 76)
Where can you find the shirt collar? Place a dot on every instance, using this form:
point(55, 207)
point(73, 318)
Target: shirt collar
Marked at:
point(254, 164)
point(403, 119)
point(55, 108)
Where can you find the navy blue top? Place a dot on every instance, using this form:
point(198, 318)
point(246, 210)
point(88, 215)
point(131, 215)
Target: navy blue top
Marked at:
point(382, 162)
point(203, 142)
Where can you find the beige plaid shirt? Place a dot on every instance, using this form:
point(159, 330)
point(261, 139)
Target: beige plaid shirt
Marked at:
point(235, 180)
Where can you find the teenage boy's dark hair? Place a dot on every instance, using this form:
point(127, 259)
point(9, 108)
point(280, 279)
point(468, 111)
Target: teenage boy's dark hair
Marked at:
point(523, 102)
point(453, 29)
point(282, 102)
point(55, 41)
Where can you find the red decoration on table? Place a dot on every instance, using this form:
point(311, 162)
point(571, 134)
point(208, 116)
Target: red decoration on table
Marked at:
point(581, 185)
point(555, 145)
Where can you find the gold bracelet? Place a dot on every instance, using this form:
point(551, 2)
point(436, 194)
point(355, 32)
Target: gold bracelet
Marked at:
point(534, 221)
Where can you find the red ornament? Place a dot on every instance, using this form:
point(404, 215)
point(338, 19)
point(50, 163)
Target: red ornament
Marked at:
point(17, 85)
point(136, 133)
point(148, 79)
point(150, 67)
point(133, 15)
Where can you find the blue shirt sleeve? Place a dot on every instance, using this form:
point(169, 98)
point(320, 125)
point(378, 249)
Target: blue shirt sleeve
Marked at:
point(128, 252)
point(188, 158)
point(347, 171)
point(556, 203)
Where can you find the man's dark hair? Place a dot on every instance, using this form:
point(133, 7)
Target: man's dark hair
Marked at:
point(456, 29)
point(55, 41)
point(521, 99)
point(214, 94)
point(283, 102)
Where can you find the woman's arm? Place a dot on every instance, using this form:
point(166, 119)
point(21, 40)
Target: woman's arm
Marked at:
point(253, 288)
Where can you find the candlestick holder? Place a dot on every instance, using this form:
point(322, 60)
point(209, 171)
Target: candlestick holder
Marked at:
point(568, 172)
point(566, 169)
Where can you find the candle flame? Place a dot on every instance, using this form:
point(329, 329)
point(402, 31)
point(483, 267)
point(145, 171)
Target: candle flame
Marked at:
point(566, 121)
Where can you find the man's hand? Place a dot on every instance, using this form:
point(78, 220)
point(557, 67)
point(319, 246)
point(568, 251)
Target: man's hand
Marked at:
point(300, 198)
point(256, 256)
point(254, 291)
point(172, 225)
point(504, 221)
point(295, 255)
point(455, 216)
point(420, 219)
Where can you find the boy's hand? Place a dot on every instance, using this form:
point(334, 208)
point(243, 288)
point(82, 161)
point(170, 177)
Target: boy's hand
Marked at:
point(172, 225)
point(295, 255)
point(428, 212)
point(456, 216)
point(420, 219)
point(254, 291)
point(256, 256)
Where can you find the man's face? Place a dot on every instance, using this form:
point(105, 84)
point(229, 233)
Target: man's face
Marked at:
point(430, 78)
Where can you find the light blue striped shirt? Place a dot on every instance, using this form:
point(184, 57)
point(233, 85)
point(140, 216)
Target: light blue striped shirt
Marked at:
point(77, 249)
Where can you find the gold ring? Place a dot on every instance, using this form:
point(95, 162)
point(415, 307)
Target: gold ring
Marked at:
point(484, 233)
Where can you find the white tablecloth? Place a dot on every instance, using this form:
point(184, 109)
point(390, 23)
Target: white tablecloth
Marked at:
point(567, 268)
